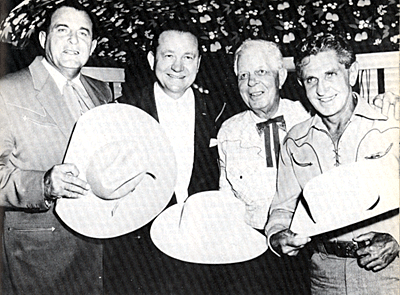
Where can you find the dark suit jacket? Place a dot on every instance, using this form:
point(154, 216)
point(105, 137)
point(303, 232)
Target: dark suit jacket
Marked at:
point(41, 255)
point(205, 173)
point(132, 263)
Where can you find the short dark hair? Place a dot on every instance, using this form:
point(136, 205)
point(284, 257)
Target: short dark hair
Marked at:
point(323, 42)
point(69, 3)
point(174, 25)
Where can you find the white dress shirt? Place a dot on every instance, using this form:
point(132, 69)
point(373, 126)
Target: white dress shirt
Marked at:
point(177, 118)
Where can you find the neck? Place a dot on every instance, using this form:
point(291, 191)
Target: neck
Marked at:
point(267, 114)
point(70, 74)
point(337, 124)
point(173, 95)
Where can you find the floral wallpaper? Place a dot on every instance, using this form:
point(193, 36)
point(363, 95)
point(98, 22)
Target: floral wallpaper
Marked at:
point(127, 26)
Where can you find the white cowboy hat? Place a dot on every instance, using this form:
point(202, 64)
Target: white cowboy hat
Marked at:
point(126, 158)
point(208, 228)
point(346, 195)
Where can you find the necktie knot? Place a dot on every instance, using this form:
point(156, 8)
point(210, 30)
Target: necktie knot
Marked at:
point(279, 121)
point(270, 129)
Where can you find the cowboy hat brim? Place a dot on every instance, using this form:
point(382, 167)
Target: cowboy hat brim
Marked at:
point(347, 195)
point(208, 229)
point(121, 123)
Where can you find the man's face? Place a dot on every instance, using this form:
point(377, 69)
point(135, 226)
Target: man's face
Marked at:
point(328, 83)
point(176, 62)
point(68, 43)
point(258, 82)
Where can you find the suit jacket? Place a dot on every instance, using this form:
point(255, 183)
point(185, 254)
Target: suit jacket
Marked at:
point(205, 173)
point(41, 255)
point(132, 260)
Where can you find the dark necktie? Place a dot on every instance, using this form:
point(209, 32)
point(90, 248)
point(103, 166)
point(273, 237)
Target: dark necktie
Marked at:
point(266, 128)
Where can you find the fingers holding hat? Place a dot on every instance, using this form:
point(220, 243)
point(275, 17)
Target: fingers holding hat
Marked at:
point(62, 181)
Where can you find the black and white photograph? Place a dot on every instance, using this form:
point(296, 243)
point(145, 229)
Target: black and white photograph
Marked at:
point(205, 147)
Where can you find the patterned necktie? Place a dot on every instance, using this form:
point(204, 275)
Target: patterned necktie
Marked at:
point(265, 127)
point(78, 101)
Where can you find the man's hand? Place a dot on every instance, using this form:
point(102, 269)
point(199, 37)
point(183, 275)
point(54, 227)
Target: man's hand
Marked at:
point(389, 104)
point(62, 181)
point(380, 251)
point(287, 242)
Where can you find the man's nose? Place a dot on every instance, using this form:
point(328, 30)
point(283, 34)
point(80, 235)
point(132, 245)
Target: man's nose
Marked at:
point(322, 87)
point(73, 38)
point(252, 80)
point(177, 66)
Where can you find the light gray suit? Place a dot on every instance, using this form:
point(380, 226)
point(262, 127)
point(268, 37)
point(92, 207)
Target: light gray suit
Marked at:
point(41, 255)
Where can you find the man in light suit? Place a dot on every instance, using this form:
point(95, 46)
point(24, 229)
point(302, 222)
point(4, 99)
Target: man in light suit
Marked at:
point(40, 254)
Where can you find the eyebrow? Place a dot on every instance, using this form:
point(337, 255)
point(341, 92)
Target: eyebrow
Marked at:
point(64, 25)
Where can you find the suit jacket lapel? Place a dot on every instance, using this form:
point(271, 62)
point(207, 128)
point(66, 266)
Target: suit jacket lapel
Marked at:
point(50, 97)
point(147, 102)
point(97, 92)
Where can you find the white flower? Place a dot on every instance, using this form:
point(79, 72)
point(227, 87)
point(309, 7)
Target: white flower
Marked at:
point(283, 6)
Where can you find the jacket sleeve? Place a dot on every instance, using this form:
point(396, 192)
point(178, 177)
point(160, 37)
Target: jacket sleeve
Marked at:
point(18, 188)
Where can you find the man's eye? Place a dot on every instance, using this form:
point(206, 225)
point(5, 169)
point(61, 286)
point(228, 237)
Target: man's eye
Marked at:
point(84, 33)
point(189, 57)
point(168, 55)
point(261, 72)
point(243, 76)
point(61, 30)
point(311, 80)
point(330, 75)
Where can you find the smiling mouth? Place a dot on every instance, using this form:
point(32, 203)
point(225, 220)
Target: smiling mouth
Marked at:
point(256, 94)
point(176, 77)
point(71, 52)
point(327, 99)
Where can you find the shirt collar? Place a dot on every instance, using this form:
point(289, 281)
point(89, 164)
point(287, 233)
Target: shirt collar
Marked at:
point(362, 109)
point(58, 78)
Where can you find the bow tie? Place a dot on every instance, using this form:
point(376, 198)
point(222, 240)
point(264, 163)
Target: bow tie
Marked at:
point(279, 121)
point(271, 149)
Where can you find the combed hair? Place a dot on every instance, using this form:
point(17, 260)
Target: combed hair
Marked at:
point(271, 49)
point(174, 25)
point(74, 4)
point(320, 43)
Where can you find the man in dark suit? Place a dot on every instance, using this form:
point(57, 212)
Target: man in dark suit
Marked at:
point(175, 60)
point(40, 254)
point(188, 117)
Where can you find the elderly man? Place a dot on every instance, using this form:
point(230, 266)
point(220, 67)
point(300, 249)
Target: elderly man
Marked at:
point(327, 70)
point(249, 142)
point(39, 107)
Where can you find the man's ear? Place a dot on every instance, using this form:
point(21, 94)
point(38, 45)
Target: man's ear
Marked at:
point(42, 39)
point(150, 59)
point(94, 44)
point(282, 74)
point(198, 64)
point(353, 73)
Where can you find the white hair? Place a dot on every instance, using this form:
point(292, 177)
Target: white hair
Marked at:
point(269, 48)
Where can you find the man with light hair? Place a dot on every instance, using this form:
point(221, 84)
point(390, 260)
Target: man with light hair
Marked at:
point(248, 143)
point(248, 146)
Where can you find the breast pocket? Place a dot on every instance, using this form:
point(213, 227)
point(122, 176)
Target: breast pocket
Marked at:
point(304, 160)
